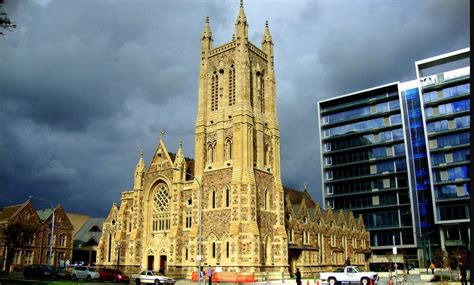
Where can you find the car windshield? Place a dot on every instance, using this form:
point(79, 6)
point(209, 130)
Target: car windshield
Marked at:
point(118, 272)
point(92, 269)
point(357, 269)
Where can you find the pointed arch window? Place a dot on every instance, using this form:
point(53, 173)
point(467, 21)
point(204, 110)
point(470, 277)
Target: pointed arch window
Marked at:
point(214, 91)
point(261, 89)
point(62, 240)
point(227, 197)
point(211, 152)
point(228, 149)
point(213, 199)
point(251, 88)
point(161, 211)
point(232, 85)
point(227, 249)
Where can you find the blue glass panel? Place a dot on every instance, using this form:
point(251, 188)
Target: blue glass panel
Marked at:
point(394, 105)
point(395, 119)
point(418, 156)
point(399, 149)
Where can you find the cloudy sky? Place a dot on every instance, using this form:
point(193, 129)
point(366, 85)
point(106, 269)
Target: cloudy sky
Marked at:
point(84, 85)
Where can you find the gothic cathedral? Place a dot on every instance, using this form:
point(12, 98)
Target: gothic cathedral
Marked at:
point(233, 183)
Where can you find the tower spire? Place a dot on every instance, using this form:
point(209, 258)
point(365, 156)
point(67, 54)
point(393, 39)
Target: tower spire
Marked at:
point(241, 26)
point(206, 36)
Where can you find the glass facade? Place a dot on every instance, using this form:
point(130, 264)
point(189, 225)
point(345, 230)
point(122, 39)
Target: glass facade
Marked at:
point(364, 157)
point(448, 126)
point(399, 155)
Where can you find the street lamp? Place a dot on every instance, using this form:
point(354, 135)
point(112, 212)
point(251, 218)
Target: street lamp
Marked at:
point(119, 246)
point(199, 257)
point(52, 229)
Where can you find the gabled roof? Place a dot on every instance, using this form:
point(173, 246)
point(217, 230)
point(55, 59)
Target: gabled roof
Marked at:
point(6, 213)
point(87, 232)
point(77, 221)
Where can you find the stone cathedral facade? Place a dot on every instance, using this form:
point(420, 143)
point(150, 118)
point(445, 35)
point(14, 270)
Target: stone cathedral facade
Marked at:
point(235, 176)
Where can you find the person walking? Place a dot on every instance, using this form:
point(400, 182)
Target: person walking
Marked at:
point(462, 274)
point(298, 276)
point(432, 267)
point(209, 274)
point(348, 262)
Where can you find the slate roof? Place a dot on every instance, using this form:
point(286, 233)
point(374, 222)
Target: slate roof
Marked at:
point(85, 236)
point(8, 212)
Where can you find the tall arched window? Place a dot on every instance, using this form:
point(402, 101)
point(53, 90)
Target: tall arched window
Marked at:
point(265, 200)
point(213, 198)
point(161, 212)
point(62, 240)
point(215, 91)
point(211, 152)
point(231, 85)
point(228, 149)
point(227, 197)
point(251, 88)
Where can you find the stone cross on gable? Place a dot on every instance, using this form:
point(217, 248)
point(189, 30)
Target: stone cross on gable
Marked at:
point(305, 185)
point(161, 134)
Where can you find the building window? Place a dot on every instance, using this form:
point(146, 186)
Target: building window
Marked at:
point(62, 240)
point(17, 257)
point(213, 250)
point(211, 152)
point(228, 149)
point(227, 197)
point(186, 253)
point(161, 212)
point(29, 257)
point(231, 85)
point(227, 249)
point(215, 91)
point(188, 215)
point(213, 199)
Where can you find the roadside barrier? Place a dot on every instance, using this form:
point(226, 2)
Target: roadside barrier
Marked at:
point(227, 277)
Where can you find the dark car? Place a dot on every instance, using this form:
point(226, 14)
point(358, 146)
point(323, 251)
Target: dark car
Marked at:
point(40, 271)
point(114, 275)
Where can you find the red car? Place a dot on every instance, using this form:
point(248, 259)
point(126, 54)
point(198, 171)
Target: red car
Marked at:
point(113, 275)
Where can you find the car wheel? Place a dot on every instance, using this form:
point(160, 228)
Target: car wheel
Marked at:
point(332, 281)
point(74, 277)
point(137, 281)
point(88, 278)
point(113, 280)
point(364, 281)
point(157, 282)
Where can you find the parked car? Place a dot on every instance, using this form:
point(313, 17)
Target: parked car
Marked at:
point(63, 273)
point(154, 277)
point(114, 275)
point(84, 272)
point(349, 274)
point(40, 271)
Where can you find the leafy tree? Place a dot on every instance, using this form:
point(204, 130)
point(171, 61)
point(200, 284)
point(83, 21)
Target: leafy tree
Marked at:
point(17, 236)
point(5, 21)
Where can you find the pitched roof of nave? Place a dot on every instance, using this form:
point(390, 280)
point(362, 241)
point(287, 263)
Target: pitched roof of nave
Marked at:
point(302, 199)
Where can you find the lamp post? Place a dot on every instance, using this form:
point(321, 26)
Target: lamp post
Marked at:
point(199, 257)
point(50, 259)
point(119, 246)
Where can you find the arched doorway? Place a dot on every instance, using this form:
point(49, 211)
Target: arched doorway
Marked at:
point(151, 260)
point(163, 263)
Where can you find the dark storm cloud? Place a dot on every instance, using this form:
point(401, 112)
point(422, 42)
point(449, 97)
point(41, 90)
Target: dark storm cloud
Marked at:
point(85, 85)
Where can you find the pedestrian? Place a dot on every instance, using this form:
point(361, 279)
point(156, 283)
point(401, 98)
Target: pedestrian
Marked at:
point(462, 274)
point(432, 267)
point(348, 262)
point(298, 276)
point(209, 274)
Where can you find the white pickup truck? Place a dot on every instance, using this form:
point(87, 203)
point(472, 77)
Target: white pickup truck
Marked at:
point(349, 274)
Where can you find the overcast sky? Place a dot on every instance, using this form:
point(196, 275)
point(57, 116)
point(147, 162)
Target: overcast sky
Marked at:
point(84, 85)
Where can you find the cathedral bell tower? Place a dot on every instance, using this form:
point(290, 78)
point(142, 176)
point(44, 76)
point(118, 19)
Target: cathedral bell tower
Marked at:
point(237, 144)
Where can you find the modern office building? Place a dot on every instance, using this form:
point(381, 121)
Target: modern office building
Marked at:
point(399, 155)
